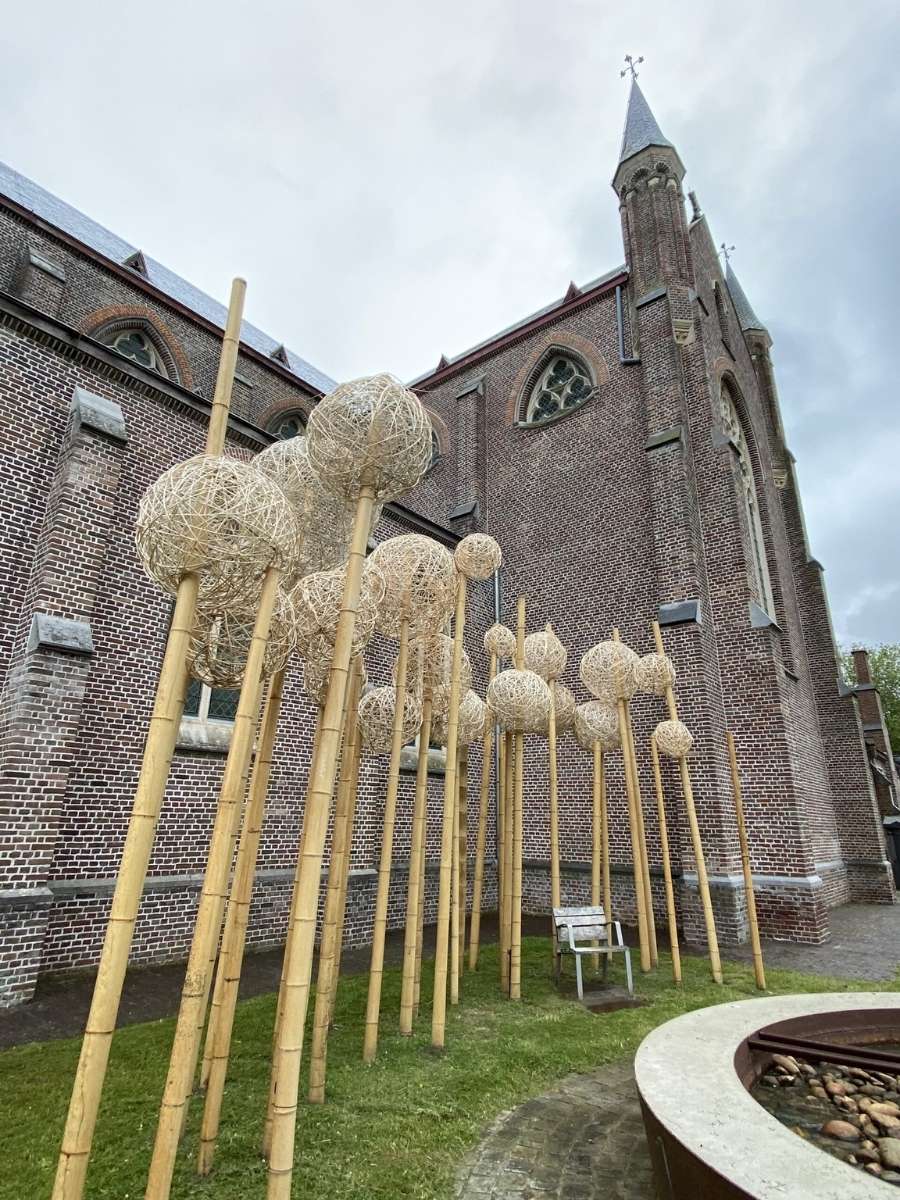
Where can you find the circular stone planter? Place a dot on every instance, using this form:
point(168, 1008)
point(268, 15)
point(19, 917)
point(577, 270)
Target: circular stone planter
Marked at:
point(707, 1136)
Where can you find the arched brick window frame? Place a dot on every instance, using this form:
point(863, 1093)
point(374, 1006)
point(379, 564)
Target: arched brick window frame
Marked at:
point(440, 440)
point(105, 322)
point(270, 417)
point(555, 341)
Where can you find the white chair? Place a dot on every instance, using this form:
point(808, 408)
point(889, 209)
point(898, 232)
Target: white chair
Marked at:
point(581, 931)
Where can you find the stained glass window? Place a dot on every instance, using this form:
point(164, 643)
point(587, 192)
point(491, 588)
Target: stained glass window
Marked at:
point(287, 425)
point(759, 566)
point(134, 344)
point(563, 384)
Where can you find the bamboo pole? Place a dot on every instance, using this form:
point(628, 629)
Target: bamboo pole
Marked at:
point(642, 842)
point(463, 853)
point(341, 842)
point(640, 895)
point(454, 895)
point(279, 1007)
point(376, 969)
point(483, 802)
point(186, 1042)
point(235, 935)
point(555, 888)
point(301, 937)
point(666, 863)
point(352, 786)
point(604, 841)
point(597, 840)
point(758, 969)
point(515, 951)
point(414, 897)
point(509, 805)
point(696, 841)
point(158, 750)
point(420, 930)
point(439, 1002)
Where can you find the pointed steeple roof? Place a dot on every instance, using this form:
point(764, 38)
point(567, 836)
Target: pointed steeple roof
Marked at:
point(747, 318)
point(641, 129)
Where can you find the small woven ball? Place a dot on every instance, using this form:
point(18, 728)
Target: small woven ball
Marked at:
point(609, 671)
point(316, 674)
point(471, 721)
point(218, 518)
point(520, 701)
point(564, 707)
point(545, 654)
point(376, 719)
point(478, 556)
point(420, 578)
point(655, 674)
point(220, 642)
point(437, 667)
point(597, 721)
point(319, 598)
point(500, 641)
point(371, 432)
point(673, 738)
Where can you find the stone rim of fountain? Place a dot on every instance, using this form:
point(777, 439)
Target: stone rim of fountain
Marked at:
point(699, 1114)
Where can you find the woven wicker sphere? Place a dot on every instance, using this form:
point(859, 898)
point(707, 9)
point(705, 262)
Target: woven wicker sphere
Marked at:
point(316, 674)
point(545, 654)
point(500, 641)
point(220, 642)
point(376, 719)
point(655, 674)
point(218, 518)
point(520, 701)
point(478, 556)
point(420, 578)
point(597, 721)
point(437, 668)
point(319, 597)
point(609, 671)
point(673, 738)
point(471, 722)
point(370, 432)
point(564, 704)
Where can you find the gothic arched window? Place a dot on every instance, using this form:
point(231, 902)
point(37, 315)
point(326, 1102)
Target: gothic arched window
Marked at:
point(287, 425)
point(137, 344)
point(759, 566)
point(564, 383)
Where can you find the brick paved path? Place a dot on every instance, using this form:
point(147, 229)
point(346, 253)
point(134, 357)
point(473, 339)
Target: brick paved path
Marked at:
point(582, 1141)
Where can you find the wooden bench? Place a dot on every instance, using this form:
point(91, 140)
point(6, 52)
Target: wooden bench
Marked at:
point(581, 931)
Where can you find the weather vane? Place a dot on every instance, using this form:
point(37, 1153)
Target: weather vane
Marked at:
point(726, 251)
point(632, 63)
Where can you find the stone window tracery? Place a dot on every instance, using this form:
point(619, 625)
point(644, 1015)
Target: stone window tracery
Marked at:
point(287, 425)
point(759, 566)
point(563, 384)
point(138, 346)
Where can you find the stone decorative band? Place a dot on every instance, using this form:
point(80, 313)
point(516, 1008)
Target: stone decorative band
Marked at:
point(736, 882)
point(14, 899)
point(664, 437)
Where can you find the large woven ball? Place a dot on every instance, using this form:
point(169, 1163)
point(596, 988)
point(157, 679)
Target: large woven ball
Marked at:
point(319, 598)
point(437, 664)
point(597, 722)
point(520, 701)
point(471, 721)
point(673, 738)
point(316, 674)
point(218, 518)
point(609, 671)
point(370, 432)
point(500, 641)
point(655, 674)
point(376, 719)
point(325, 520)
point(545, 654)
point(220, 642)
point(478, 556)
point(421, 578)
point(564, 708)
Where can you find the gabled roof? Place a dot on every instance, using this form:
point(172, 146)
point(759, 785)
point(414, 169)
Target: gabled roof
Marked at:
point(53, 211)
point(747, 318)
point(641, 129)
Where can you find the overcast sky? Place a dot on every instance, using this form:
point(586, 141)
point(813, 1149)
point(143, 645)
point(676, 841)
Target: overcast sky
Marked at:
point(400, 180)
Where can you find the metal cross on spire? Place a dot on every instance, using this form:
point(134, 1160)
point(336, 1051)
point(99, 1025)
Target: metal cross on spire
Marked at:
point(632, 63)
point(725, 252)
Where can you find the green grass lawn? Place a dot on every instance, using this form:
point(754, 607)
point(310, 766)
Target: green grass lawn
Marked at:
point(391, 1131)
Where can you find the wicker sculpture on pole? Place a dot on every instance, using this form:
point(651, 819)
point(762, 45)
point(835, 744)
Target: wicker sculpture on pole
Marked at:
point(546, 656)
point(421, 590)
point(674, 740)
point(368, 440)
point(671, 917)
point(758, 969)
point(499, 643)
point(158, 750)
point(608, 671)
point(597, 731)
point(477, 557)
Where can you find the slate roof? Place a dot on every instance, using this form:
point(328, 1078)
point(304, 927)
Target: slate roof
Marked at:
point(69, 220)
point(641, 129)
point(747, 318)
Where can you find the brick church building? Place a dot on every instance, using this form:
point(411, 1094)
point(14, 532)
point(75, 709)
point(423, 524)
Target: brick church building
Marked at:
point(624, 445)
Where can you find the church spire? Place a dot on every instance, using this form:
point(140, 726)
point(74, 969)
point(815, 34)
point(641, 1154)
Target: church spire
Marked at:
point(641, 127)
point(747, 318)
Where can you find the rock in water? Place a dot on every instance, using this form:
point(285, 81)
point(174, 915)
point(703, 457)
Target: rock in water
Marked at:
point(844, 1131)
